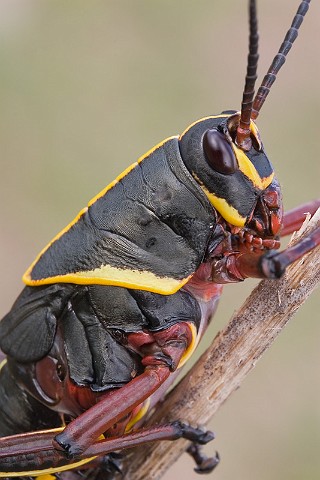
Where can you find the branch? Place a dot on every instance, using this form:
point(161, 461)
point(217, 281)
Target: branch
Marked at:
point(231, 356)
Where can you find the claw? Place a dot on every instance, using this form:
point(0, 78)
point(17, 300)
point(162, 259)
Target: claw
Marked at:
point(197, 435)
point(204, 464)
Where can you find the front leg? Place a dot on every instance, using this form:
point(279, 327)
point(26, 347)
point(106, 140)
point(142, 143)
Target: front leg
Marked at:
point(252, 259)
point(293, 219)
point(273, 264)
point(237, 266)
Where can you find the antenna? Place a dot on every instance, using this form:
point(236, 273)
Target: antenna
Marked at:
point(279, 59)
point(243, 130)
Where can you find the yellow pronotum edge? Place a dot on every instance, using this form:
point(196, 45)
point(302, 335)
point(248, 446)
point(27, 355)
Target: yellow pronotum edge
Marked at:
point(249, 170)
point(67, 278)
point(108, 275)
point(222, 115)
point(131, 167)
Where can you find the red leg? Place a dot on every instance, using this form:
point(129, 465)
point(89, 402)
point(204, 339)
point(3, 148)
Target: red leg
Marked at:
point(171, 431)
point(273, 264)
point(37, 450)
point(162, 353)
point(85, 429)
point(293, 219)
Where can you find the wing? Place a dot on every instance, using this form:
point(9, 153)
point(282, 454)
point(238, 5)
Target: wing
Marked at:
point(27, 331)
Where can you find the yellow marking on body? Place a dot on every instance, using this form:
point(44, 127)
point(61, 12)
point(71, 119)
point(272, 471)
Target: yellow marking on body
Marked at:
point(2, 364)
point(222, 115)
point(245, 164)
point(266, 181)
point(141, 413)
point(27, 275)
point(228, 212)
point(108, 275)
point(46, 472)
point(46, 477)
point(193, 345)
point(253, 128)
point(249, 170)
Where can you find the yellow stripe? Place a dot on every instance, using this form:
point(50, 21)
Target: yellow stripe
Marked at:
point(27, 275)
point(253, 128)
point(46, 471)
point(224, 115)
point(141, 413)
point(245, 164)
point(193, 345)
point(46, 477)
point(228, 212)
point(108, 275)
point(2, 364)
point(265, 181)
point(249, 170)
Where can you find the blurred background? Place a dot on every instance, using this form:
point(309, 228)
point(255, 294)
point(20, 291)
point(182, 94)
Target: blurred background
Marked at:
point(85, 89)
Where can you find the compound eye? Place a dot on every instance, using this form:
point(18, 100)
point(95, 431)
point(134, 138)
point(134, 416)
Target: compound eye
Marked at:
point(218, 152)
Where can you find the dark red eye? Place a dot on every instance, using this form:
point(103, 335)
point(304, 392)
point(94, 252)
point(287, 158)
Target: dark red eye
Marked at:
point(219, 153)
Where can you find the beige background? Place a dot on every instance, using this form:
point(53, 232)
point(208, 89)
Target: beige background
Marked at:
point(86, 88)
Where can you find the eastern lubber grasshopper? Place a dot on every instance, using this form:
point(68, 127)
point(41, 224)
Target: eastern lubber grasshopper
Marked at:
point(119, 299)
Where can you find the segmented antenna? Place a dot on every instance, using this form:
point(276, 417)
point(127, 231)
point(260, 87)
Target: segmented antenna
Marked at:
point(279, 59)
point(243, 130)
